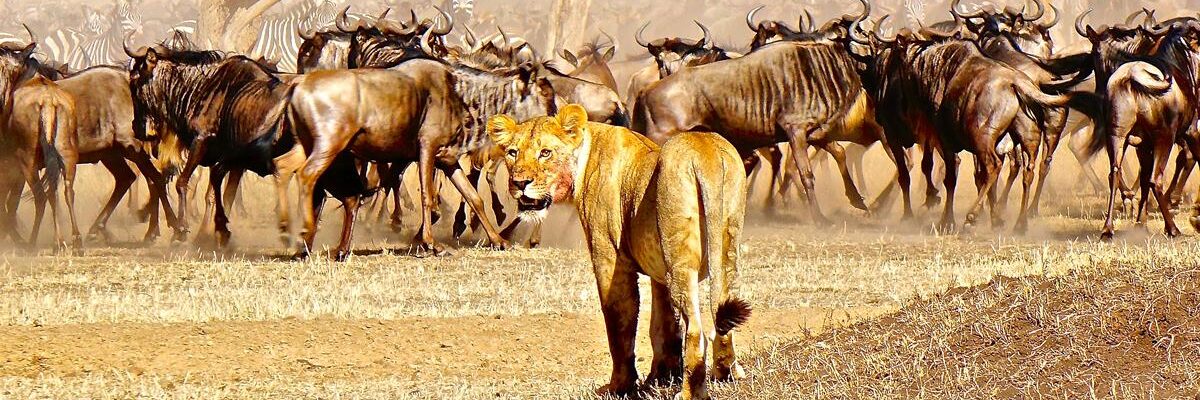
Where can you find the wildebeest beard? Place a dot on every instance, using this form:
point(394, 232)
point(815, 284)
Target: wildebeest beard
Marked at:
point(194, 92)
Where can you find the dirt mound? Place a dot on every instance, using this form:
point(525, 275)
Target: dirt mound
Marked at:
point(1126, 332)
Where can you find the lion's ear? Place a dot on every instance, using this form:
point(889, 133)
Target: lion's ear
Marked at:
point(500, 128)
point(573, 118)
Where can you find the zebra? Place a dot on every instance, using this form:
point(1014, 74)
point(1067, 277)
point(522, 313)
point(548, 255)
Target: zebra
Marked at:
point(106, 48)
point(278, 39)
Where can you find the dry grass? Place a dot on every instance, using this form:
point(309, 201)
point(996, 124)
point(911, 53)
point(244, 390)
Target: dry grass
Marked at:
point(1077, 317)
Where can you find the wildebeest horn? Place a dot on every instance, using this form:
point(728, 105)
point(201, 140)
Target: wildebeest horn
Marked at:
point(32, 37)
point(449, 22)
point(707, 35)
point(611, 40)
point(470, 36)
point(412, 14)
point(958, 13)
point(750, 18)
point(132, 54)
point(342, 21)
point(879, 25)
point(1131, 17)
point(1057, 17)
point(866, 10)
point(425, 42)
point(1157, 30)
point(638, 36)
point(383, 15)
point(1041, 10)
point(812, 23)
point(1079, 27)
point(504, 36)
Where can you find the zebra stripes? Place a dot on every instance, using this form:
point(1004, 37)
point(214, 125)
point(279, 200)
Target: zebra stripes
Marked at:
point(97, 41)
point(278, 39)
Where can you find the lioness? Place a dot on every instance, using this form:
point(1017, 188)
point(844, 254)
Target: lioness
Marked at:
point(674, 213)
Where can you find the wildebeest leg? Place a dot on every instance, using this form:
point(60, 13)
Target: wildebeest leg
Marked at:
point(1184, 162)
point(856, 155)
point(286, 166)
point(1031, 148)
point(460, 216)
point(1078, 148)
point(216, 178)
point(1161, 149)
point(471, 197)
point(12, 193)
point(839, 156)
point(424, 243)
point(1116, 155)
point(70, 158)
point(29, 171)
point(401, 193)
point(1014, 170)
point(349, 213)
point(950, 181)
point(798, 138)
point(157, 184)
point(775, 188)
point(987, 169)
point(231, 189)
point(123, 177)
point(903, 178)
point(1145, 154)
point(497, 204)
point(199, 147)
point(931, 193)
point(1056, 122)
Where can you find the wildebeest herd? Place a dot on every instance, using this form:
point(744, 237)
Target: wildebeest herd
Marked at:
point(375, 95)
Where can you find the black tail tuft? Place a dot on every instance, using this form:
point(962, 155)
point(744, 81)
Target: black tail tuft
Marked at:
point(731, 314)
point(620, 118)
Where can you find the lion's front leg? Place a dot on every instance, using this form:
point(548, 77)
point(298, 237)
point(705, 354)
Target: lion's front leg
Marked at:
point(616, 282)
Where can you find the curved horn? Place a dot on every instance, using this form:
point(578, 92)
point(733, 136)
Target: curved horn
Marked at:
point(856, 29)
point(383, 15)
point(1079, 27)
point(132, 54)
point(32, 37)
point(1157, 30)
point(1057, 17)
point(866, 10)
point(955, 10)
point(425, 47)
point(1131, 17)
point(880, 25)
point(342, 21)
point(470, 36)
point(707, 35)
point(449, 22)
point(504, 36)
point(812, 23)
point(1041, 11)
point(750, 18)
point(638, 36)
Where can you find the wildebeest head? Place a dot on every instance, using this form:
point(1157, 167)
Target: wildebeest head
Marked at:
point(14, 64)
point(1023, 30)
point(766, 32)
point(671, 54)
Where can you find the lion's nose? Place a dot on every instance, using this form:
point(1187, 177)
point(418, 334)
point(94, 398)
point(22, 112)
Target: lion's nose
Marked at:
point(520, 184)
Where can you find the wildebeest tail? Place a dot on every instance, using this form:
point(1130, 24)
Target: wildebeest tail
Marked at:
point(1032, 93)
point(620, 117)
point(52, 116)
point(276, 137)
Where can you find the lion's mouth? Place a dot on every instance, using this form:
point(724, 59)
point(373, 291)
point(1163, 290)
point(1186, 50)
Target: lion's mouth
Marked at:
point(525, 203)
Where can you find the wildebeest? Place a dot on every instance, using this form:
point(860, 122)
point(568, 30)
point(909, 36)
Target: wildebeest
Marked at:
point(39, 132)
point(971, 102)
point(782, 92)
point(223, 110)
point(591, 62)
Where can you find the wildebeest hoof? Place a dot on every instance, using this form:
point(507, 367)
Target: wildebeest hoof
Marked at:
point(500, 245)
point(431, 249)
point(611, 390)
point(179, 236)
point(100, 235)
point(946, 227)
point(1106, 236)
point(860, 204)
point(1172, 231)
point(300, 255)
point(222, 239)
point(341, 255)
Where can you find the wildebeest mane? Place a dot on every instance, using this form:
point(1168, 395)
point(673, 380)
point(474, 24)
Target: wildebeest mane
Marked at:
point(1175, 57)
point(492, 92)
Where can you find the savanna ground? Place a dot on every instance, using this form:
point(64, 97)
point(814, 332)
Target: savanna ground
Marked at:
point(869, 307)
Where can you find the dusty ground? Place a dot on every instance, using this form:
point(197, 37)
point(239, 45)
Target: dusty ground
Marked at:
point(181, 321)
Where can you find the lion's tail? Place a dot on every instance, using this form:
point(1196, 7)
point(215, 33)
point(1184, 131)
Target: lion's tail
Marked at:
point(722, 190)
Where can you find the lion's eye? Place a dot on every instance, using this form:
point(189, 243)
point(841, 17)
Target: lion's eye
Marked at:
point(546, 153)
point(512, 153)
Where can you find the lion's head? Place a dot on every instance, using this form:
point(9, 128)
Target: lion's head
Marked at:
point(542, 155)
